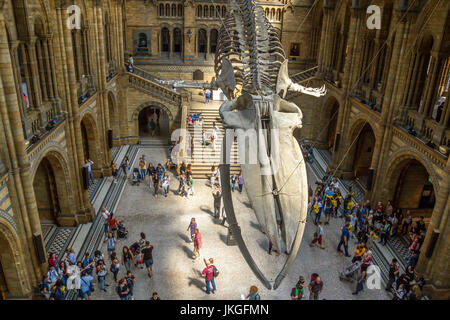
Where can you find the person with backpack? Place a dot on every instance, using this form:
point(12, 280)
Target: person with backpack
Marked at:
point(58, 291)
point(298, 292)
point(86, 286)
point(44, 287)
point(122, 289)
point(131, 280)
point(253, 295)
point(315, 287)
point(208, 273)
point(101, 274)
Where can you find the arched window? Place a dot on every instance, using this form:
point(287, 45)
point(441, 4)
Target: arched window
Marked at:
point(205, 12)
point(199, 11)
point(107, 36)
point(278, 15)
point(224, 11)
point(180, 10)
point(177, 40)
point(272, 14)
point(161, 10)
point(211, 12)
point(267, 13)
point(202, 40)
point(174, 10)
point(217, 11)
point(213, 41)
point(167, 10)
point(165, 40)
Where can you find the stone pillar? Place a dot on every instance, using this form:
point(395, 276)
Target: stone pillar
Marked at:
point(413, 80)
point(170, 44)
point(34, 72)
point(41, 68)
point(48, 66)
point(27, 214)
point(73, 117)
point(430, 93)
point(416, 82)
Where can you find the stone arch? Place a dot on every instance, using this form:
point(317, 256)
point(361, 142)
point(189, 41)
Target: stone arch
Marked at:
point(329, 117)
point(90, 137)
point(157, 105)
point(113, 111)
point(361, 139)
point(52, 186)
point(13, 279)
point(399, 161)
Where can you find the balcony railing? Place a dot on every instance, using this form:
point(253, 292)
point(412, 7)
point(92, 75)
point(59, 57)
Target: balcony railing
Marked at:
point(86, 89)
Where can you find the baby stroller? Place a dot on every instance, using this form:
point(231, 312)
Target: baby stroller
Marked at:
point(350, 272)
point(122, 232)
point(135, 178)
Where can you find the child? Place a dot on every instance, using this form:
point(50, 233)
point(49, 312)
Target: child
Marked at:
point(138, 259)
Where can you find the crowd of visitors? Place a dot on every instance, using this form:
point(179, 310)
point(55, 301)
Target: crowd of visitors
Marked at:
point(366, 224)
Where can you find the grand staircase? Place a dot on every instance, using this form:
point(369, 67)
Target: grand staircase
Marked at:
point(203, 158)
point(304, 75)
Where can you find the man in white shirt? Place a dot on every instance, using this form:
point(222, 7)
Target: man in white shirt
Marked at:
point(105, 215)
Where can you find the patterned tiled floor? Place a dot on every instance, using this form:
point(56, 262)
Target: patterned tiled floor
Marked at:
point(59, 240)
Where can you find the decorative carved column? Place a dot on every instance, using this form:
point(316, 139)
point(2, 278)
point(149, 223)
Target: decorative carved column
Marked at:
point(42, 69)
point(431, 88)
point(34, 71)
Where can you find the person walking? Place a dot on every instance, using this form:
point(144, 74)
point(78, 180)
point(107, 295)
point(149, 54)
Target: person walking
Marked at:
point(151, 171)
point(142, 168)
point(190, 185)
point(115, 266)
point(182, 186)
point(114, 171)
point(111, 244)
point(319, 211)
point(318, 236)
point(165, 183)
point(208, 273)
point(234, 178)
point(101, 274)
point(192, 226)
point(156, 183)
point(105, 216)
point(88, 164)
point(315, 288)
point(126, 166)
point(122, 289)
point(127, 258)
point(394, 270)
point(345, 235)
point(298, 292)
point(85, 284)
point(131, 280)
point(147, 254)
point(217, 195)
point(197, 243)
point(240, 181)
point(361, 280)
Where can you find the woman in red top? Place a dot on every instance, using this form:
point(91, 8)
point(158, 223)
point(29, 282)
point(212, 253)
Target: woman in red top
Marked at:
point(112, 223)
point(53, 261)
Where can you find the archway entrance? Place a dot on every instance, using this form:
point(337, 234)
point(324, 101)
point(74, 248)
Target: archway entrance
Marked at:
point(50, 189)
point(89, 139)
point(10, 283)
point(363, 152)
point(414, 188)
point(156, 118)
